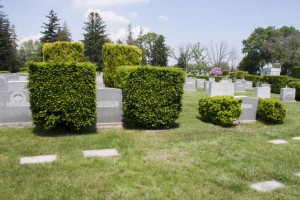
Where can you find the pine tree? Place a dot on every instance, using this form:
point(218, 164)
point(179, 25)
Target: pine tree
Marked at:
point(64, 34)
point(129, 39)
point(160, 52)
point(51, 28)
point(8, 45)
point(94, 38)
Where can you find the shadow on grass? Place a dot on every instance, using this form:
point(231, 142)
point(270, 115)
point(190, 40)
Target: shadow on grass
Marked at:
point(208, 122)
point(173, 125)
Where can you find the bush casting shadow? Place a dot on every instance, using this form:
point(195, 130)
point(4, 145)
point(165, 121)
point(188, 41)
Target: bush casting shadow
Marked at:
point(173, 125)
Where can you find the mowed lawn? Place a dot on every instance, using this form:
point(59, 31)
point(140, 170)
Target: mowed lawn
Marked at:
point(191, 160)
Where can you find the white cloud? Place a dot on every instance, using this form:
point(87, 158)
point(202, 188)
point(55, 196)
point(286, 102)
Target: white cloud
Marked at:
point(108, 16)
point(122, 33)
point(163, 18)
point(133, 15)
point(102, 3)
point(32, 37)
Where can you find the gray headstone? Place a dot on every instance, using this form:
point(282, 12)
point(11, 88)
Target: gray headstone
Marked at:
point(266, 186)
point(225, 80)
point(287, 94)
point(16, 85)
point(249, 84)
point(23, 77)
point(239, 80)
point(206, 86)
point(3, 84)
point(263, 92)
point(38, 159)
point(265, 85)
point(11, 77)
point(101, 153)
point(200, 83)
point(99, 81)
point(109, 105)
point(15, 105)
point(211, 79)
point(190, 84)
point(249, 109)
point(220, 89)
point(239, 87)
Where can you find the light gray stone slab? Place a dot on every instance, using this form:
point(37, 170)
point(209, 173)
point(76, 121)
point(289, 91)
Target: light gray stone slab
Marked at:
point(220, 89)
point(3, 84)
point(109, 105)
point(200, 83)
point(287, 94)
point(23, 77)
point(211, 79)
point(267, 186)
point(296, 138)
point(38, 159)
point(297, 174)
point(101, 153)
point(262, 92)
point(249, 109)
point(99, 81)
point(249, 84)
point(239, 80)
point(190, 84)
point(265, 85)
point(239, 87)
point(278, 141)
point(11, 77)
point(16, 85)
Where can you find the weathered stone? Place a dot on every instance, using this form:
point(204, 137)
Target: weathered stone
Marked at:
point(16, 85)
point(263, 92)
point(38, 159)
point(249, 109)
point(220, 89)
point(190, 84)
point(101, 153)
point(267, 186)
point(278, 141)
point(239, 87)
point(287, 94)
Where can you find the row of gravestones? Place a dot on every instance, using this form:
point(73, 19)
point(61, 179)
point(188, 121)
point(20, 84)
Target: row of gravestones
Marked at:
point(14, 102)
point(226, 88)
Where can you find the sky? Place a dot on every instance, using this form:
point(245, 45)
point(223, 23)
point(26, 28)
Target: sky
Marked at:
point(180, 21)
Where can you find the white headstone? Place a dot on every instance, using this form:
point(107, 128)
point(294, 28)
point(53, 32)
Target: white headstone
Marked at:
point(266, 186)
point(200, 83)
point(249, 84)
point(190, 84)
point(101, 153)
point(220, 89)
point(287, 94)
point(239, 87)
point(211, 79)
point(263, 92)
point(38, 159)
point(249, 109)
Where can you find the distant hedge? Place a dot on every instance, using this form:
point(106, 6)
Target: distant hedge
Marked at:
point(63, 52)
point(220, 110)
point(296, 85)
point(271, 111)
point(277, 82)
point(153, 96)
point(296, 72)
point(253, 78)
point(115, 55)
point(62, 94)
point(122, 73)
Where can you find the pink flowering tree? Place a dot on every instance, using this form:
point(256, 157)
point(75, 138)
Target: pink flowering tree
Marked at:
point(215, 71)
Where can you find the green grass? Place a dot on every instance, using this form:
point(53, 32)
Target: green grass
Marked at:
point(195, 160)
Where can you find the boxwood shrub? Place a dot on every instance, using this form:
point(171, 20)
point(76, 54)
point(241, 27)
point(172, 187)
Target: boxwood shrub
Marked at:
point(296, 85)
point(271, 111)
point(240, 75)
point(63, 52)
point(153, 96)
point(220, 110)
point(122, 73)
point(277, 82)
point(115, 55)
point(232, 75)
point(296, 72)
point(253, 78)
point(225, 73)
point(62, 95)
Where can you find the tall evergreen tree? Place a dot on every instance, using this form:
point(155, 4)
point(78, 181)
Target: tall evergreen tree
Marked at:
point(51, 28)
point(160, 52)
point(8, 44)
point(129, 39)
point(64, 34)
point(94, 38)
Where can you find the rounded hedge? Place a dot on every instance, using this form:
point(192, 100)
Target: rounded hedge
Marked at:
point(271, 111)
point(220, 110)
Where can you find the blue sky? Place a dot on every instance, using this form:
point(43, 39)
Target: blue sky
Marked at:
point(180, 21)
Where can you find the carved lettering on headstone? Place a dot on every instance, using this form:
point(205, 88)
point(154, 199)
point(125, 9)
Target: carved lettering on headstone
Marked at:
point(107, 104)
point(17, 99)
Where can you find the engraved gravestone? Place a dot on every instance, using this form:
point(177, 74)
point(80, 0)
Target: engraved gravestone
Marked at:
point(190, 84)
point(249, 109)
point(221, 89)
point(239, 80)
point(225, 80)
point(262, 92)
point(265, 85)
point(11, 77)
point(200, 83)
point(239, 87)
point(206, 86)
point(3, 84)
point(15, 105)
point(109, 105)
point(287, 94)
point(248, 84)
point(16, 85)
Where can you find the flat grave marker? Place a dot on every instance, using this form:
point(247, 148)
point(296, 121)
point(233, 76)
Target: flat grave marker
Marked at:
point(267, 186)
point(278, 141)
point(103, 153)
point(38, 159)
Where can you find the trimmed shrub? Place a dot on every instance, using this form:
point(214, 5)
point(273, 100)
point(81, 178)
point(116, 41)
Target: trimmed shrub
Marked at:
point(232, 75)
point(296, 85)
point(63, 52)
point(152, 96)
point(253, 78)
point(296, 72)
point(218, 78)
point(277, 82)
point(122, 74)
point(225, 73)
point(240, 75)
point(62, 95)
point(220, 110)
point(115, 55)
point(4, 72)
point(271, 111)
point(203, 77)
point(192, 75)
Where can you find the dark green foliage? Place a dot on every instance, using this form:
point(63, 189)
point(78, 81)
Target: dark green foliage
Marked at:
point(63, 52)
point(9, 60)
point(203, 77)
point(4, 72)
point(122, 74)
point(220, 110)
point(296, 85)
point(217, 78)
point(232, 75)
point(225, 73)
point(296, 72)
point(64, 34)
point(240, 75)
point(115, 55)
point(62, 95)
point(152, 96)
point(271, 111)
point(277, 82)
point(253, 78)
point(160, 52)
point(94, 39)
point(50, 28)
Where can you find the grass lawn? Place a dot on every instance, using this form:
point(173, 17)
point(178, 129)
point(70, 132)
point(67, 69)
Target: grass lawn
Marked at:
point(194, 160)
